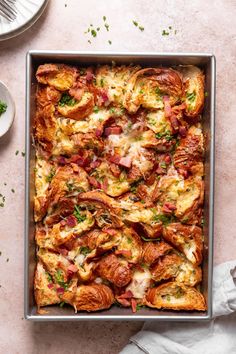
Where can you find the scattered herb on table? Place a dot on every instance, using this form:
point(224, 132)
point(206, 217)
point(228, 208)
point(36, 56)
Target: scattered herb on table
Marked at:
point(2, 200)
point(3, 107)
point(13, 190)
point(110, 42)
point(17, 152)
point(22, 153)
point(136, 24)
point(168, 31)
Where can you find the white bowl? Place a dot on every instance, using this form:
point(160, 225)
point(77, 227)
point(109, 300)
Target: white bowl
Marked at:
point(6, 118)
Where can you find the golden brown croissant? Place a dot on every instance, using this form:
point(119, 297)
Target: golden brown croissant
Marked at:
point(115, 271)
point(175, 297)
point(93, 297)
point(187, 239)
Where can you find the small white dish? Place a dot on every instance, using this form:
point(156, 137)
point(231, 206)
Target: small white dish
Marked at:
point(6, 118)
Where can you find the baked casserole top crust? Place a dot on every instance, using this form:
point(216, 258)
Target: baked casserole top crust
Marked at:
point(119, 187)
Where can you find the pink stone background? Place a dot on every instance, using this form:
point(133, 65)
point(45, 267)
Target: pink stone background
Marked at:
point(202, 26)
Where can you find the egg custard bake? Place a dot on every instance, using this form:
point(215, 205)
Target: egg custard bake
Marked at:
point(119, 187)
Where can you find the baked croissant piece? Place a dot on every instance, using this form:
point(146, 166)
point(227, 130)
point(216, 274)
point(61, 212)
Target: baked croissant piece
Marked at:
point(172, 296)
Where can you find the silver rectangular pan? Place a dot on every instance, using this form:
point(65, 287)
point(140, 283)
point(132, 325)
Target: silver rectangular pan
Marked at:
point(204, 61)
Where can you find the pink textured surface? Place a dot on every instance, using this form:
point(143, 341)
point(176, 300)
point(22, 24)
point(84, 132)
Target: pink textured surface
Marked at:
point(201, 27)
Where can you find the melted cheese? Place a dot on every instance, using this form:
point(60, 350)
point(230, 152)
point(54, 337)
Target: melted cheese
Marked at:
point(140, 283)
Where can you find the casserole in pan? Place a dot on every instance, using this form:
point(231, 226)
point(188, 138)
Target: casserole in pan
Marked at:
point(206, 64)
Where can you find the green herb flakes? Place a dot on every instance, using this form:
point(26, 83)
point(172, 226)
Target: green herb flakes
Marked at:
point(85, 250)
point(80, 218)
point(67, 100)
point(3, 107)
point(17, 152)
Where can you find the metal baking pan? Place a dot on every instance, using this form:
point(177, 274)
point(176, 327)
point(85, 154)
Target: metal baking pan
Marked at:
point(204, 61)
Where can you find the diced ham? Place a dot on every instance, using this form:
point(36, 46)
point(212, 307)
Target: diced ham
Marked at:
point(125, 162)
point(104, 184)
point(124, 302)
point(98, 132)
point(134, 305)
point(168, 207)
point(126, 253)
point(127, 295)
point(60, 290)
point(63, 251)
point(115, 159)
point(50, 286)
point(94, 182)
point(167, 106)
point(71, 221)
point(167, 159)
point(61, 160)
point(104, 96)
point(115, 130)
point(95, 163)
point(174, 123)
point(89, 76)
point(183, 173)
point(115, 170)
point(182, 131)
point(111, 232)
point(73, 268)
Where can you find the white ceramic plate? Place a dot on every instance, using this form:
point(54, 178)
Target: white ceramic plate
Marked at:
point(28, 11)
point(6, 118)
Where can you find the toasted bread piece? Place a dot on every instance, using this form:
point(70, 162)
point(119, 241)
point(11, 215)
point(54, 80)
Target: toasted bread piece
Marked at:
point(130, 245)
point(153, 250)
point(114, 270)
point(60, 76)
point(80, 110)
point(193, 79)
point(187, 239)
point(147, 87)
point(172, 296)
point(44, 290)
point(113, 81)
point(103, 240)
point(92, 297)
point(174, 266)
point(189, 154)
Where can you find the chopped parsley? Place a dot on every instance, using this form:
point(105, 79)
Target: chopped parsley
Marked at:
point(23, 154)
point(17, 152)
point(3, 107)
point(166, 134)
point(206, 94)
point(129, 240)
point(191, 96)
point(96, 109)
point(13, 190)
point(67, 100)
point(165, 33)
point(80, 218)
point(7, 260)
point(51, 175)
point(104, 18)
point(136, 24)
point(85, 250)
point(59, 277)
point(2, 200)
point(93, 33)
point(110, 42)
point(107, 27)
point(49, 277)
point(139, 307)
point(62, 304)
point(163, 218)
point(150, 239)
